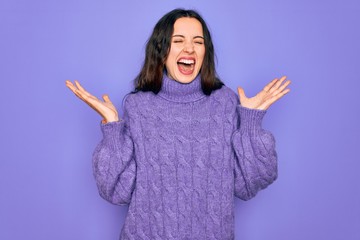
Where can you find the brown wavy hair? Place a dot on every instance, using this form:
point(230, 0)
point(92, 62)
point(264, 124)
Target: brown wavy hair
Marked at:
point(157, 50)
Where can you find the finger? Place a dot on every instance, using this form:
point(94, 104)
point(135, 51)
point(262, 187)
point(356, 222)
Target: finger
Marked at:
point(270, 84)
point(106, 98)
point(90, 101)
point(282, 87)
point(77, 92)
point(82, 89)
point(277, 84)
point(70, 86)
point(79, 85)
point(74, 89)
point(67, 82)
point(79, 95)
point(241, 93)
point(272, 100)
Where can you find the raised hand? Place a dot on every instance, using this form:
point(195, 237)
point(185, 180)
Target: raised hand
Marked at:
point(272, 92)
point(105, 108)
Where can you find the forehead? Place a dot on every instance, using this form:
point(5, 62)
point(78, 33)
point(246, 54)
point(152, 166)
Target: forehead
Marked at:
point(188, 26)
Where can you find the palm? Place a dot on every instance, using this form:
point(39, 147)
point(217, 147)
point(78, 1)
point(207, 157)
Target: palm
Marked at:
point(105, 108)
point(272, 92)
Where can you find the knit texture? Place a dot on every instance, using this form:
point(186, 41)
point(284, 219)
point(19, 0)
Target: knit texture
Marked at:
point(178, 158)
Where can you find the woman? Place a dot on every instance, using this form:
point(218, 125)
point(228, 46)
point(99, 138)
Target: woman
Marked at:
point(185, 144)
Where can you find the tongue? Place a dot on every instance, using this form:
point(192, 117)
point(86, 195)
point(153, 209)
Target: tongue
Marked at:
point(185, 68)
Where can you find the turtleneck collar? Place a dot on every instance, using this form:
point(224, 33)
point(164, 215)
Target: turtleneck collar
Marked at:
point(175, 91)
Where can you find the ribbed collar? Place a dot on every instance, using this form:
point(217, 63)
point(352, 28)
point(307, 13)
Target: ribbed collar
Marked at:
point(175, 91)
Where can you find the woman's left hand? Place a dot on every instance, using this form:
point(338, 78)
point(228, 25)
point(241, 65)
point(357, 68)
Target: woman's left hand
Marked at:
point(272, 92)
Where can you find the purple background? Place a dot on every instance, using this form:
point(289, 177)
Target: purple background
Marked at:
point(48, 136)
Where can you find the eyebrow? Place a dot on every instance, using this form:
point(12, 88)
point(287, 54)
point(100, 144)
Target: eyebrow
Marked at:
point(178, 35)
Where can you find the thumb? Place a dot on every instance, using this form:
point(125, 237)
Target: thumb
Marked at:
point(106, 98)
point(241, 93)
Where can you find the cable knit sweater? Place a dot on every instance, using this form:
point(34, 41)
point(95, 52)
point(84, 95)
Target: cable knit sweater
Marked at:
point(178, 158)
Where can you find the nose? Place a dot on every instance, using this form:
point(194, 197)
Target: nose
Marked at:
point(189, 47)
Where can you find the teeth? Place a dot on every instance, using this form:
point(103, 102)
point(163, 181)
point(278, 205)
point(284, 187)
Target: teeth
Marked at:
point(187, 61)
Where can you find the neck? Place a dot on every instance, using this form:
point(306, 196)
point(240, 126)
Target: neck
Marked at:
point(181, 92)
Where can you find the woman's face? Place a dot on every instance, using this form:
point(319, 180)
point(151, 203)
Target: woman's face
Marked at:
point(187, 50)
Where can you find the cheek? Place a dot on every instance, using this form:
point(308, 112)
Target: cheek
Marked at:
point(202, 55)
point(172, 56)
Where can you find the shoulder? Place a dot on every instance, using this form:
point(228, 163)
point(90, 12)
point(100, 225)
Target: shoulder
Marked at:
point(226, 95)
point(137, 99)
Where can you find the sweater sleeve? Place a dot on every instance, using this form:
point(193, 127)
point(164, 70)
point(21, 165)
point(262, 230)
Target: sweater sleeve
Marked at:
point(114, 165)
point(254, 148)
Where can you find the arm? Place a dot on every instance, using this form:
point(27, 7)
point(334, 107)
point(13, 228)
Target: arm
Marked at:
point(113, 159)
point(256, 158)
point(255, 155)
point(114, 164)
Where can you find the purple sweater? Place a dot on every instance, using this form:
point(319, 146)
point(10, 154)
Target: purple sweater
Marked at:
point(179, 157)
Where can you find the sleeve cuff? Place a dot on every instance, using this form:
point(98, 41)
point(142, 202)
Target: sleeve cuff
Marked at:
point(250, 119)
point(111, 130)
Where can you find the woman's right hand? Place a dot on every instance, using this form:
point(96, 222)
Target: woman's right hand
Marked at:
point(105, 108)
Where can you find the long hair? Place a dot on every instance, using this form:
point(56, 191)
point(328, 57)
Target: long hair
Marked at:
point(157, 50)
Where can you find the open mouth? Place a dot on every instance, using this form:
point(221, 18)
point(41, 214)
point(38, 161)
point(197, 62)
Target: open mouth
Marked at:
point(186, 66)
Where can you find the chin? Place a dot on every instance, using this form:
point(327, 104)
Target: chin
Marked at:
point(179, 77)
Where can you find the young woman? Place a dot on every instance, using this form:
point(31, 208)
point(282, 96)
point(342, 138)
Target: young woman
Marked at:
point(186, 143)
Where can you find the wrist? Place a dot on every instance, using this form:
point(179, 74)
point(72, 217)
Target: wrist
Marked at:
point(250, 119)
point(108, 120)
